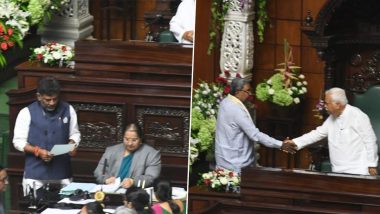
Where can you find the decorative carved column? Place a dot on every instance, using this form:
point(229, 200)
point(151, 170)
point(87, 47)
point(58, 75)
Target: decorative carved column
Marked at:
point(72, 24)
point(237, 44)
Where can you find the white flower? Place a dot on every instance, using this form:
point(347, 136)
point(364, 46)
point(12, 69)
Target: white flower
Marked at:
point(235, 180)
point(304, 82)
point(206, 176)
point(301, 76)
point(296, 100)
point(290, 92)
point(271, 91)
point(57, 55)
point(304, 89)
point(223, 180)
point(299, 83)
point(269, 81)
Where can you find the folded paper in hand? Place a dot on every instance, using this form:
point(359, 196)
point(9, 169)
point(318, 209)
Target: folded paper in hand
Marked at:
point(61, 149)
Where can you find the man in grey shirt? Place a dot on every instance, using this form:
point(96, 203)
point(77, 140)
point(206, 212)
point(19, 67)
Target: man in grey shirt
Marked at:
point(236, 132)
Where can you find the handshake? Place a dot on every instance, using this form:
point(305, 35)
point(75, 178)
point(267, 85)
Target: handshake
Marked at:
point(288, 146)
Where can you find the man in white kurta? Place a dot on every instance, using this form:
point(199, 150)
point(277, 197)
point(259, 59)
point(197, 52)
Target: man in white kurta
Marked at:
point(236, 133)
point(351, 139)
point(183, 23)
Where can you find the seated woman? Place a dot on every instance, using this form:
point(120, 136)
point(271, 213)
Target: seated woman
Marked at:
point(136, 202)
point(133, 161)
point(166, 204)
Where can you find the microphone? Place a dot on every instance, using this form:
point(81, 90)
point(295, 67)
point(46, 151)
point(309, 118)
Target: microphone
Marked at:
point(104, 167)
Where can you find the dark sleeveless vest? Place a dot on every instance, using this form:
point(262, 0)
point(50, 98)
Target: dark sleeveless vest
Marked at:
point(47, 129)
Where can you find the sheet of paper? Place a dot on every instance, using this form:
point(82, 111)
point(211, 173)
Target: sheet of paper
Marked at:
point(59, 211)
point(61, 149)
point(68, 201)
point(109, 188)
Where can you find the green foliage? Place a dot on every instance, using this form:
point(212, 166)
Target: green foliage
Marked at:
point(261, 18)
point(219, 9)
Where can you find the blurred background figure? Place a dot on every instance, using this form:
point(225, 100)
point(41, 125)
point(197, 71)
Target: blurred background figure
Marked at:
point(183, 23)
point(3, 186)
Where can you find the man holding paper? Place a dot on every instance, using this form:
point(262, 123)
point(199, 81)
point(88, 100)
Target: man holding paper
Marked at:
point(39, 127)
point(135, 163)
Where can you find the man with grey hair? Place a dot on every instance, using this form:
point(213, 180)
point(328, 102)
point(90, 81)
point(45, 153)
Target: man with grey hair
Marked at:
point(236, 133)
point(351, 139)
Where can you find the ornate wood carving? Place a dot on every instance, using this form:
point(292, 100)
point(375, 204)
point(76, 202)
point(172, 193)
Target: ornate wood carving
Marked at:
point(166, 128)
point(368, 75)
point(97, 133)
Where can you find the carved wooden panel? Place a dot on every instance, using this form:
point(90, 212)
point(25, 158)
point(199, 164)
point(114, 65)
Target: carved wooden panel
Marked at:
point(100, 125)
point(363, 70)
point(165, 128)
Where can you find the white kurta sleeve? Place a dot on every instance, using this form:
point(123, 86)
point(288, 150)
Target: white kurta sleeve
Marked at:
point(74, 130)
point(315, 135)
point(21, 129)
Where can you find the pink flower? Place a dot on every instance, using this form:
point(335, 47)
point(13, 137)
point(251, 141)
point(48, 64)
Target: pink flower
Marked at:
point(10, 31)
point(227, 89)
point(4, 46)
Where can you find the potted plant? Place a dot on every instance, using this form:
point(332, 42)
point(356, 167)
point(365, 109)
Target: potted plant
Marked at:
point(287, 87)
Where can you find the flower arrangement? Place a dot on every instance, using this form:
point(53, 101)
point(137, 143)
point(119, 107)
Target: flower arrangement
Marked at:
point(13, 27)
point(221, 180)
point(16, 17)
point(39, 9)
point(285, 87)
point(53, 54)
point(206, 99)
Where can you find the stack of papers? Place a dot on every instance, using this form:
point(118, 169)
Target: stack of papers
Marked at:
point(70, 188)
point(109, 188)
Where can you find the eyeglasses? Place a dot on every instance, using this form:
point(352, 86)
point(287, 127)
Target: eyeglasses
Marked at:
point(133, 140)
point(248, 92)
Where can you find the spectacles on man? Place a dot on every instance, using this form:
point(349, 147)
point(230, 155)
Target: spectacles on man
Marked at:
point(247, 91)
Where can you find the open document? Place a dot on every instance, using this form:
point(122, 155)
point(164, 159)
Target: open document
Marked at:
point(61, 149)
point(110, 188)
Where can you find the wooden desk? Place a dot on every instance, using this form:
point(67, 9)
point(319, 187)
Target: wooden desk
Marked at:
point(273, 190)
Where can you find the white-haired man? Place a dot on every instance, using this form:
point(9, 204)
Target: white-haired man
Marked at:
point(351, 139)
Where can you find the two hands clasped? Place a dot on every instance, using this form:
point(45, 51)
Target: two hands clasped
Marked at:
point(289, 146)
